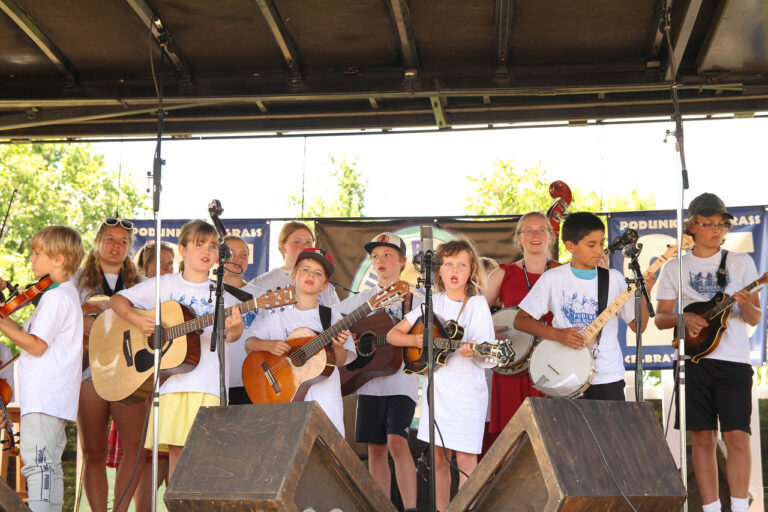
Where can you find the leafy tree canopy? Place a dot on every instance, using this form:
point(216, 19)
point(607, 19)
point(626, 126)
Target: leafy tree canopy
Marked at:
point(345, 199)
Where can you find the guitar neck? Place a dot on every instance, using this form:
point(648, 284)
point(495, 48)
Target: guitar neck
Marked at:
point(727, 303)
point(591, 332)
point(201, 322)
point(325, 338)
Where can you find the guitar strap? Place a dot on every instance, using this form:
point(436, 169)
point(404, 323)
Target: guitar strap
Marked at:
point(105, 285)
point(722, 273)
point(603, 278)
point(407, 304)
point(237, 293)
point(325, 317)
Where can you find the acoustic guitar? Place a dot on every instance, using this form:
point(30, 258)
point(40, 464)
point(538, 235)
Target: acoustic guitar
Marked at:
point(375, 357)
point(446, 339)
point(715, 311)
point(280, 379)
point(122, 358)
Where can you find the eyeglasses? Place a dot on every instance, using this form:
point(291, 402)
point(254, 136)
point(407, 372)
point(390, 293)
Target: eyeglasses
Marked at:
point(540, 231)
point(712, 227)
point(112, 221)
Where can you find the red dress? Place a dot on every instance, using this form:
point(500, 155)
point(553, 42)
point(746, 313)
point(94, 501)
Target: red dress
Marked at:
point(508, 392)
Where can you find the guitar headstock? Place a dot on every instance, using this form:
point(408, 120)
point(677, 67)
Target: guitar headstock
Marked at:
point(504, 353)
point(278, 298)
point(389, 295)
point(762, 279)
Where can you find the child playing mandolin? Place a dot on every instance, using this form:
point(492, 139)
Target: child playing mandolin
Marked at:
point(313, 269)
point(461, 392)
point(182, 394)
point(386, 404)
point(570, 292)
point(720, 384)
point(49, 366)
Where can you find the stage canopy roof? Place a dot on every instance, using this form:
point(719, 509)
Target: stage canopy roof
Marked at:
point(83, 68)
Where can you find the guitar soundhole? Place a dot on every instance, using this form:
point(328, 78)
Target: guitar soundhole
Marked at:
point(367, 344)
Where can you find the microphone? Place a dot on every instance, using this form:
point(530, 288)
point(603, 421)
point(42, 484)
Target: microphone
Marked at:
point(632, 250)
point(426, 239)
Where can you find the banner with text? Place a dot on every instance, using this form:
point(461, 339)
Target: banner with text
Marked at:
point(657, 229)
point(254, 232)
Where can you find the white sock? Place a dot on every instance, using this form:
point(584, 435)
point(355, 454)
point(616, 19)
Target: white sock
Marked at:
point(712, 507)
point(739, 504)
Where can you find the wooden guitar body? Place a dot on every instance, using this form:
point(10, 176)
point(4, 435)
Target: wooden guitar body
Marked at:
point(271, 379)
point(709, 337)
point(415, 358)
point(122, 358)
point(375, 357)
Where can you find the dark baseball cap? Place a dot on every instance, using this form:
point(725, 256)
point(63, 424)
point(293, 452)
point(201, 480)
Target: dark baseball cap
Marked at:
point(707, 205)
point(319, 255)
point(386, 239)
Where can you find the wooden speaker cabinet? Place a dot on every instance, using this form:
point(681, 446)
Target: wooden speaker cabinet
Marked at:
point(576, 455)
point(273, 457)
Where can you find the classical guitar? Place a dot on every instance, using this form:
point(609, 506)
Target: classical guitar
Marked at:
point(560, 371)
point(375, 357)
point(715, 311)
point(279, 379)
point(446, 339)
point(122, 358)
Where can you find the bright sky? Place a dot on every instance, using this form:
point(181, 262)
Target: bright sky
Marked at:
point(424, 174)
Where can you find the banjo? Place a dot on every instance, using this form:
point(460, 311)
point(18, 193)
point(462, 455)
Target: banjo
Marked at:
point(522, 343)
point(561, 371)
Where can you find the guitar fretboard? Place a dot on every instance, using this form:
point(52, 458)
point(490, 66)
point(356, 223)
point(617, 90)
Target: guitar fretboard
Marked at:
point(325, 338)
point(728, 302)
point(591, 332)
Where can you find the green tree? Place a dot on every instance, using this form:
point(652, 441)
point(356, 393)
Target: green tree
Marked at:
point(348, 194)
point(57, 184)
point(505, 190)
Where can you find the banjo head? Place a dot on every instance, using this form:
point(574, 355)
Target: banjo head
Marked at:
point(522, 343)
point(560, 371)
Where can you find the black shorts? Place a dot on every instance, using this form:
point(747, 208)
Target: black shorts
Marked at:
point(607, 391)
point(717, 389)
point(238, 396)
point(380, 416)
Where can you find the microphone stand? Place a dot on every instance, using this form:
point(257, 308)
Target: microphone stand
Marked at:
point(428, 271)
point(158, 335)
point(641, 294)
point(218, 335)
point(680, 331)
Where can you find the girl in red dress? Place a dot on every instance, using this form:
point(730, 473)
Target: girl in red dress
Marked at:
point(510, 284)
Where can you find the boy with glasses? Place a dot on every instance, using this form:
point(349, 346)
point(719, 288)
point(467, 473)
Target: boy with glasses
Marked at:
point(720, 384)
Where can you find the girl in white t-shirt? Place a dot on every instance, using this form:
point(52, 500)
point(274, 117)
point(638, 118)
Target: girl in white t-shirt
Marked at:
point(182, 394)
point(461, 392)
point(107, 269)
point(294, 237)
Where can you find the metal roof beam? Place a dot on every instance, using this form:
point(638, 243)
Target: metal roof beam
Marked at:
point(282, 37)
point(438, 110)
point(503, 21)
point(161, 35)
point(683, 36)
point(401, 19)
point(37, 36)
point(657, 26)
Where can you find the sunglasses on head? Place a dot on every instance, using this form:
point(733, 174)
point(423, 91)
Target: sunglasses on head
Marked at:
point(112, 221)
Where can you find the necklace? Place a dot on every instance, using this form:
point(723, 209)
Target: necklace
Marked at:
point(525, 273)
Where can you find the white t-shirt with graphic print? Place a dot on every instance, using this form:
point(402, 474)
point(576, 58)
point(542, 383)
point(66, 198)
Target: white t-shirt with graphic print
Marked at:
point(204, 378)
point(573, 302)
point(700, 284)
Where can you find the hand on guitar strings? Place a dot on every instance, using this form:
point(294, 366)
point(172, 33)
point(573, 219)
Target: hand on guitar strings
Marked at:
point(233, 325)
point(571, 337)
point(275, 347)
point(339, 339)
point(743, 298)
point(467, 349)
point(694, 324)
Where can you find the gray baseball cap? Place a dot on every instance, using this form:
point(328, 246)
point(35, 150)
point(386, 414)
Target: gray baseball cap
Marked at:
point(706, 205)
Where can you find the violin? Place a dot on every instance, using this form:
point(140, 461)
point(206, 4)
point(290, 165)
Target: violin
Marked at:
point(25, 296)
point(562, 195)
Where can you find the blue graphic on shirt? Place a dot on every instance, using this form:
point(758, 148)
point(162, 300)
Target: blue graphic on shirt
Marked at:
point(580, 310)
point(199, 305)
point(705, 284)
point(249, 318)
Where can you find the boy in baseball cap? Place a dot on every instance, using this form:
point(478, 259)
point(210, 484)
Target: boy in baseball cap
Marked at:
point(273, 333)
point(718, 386)
point(386, 404)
